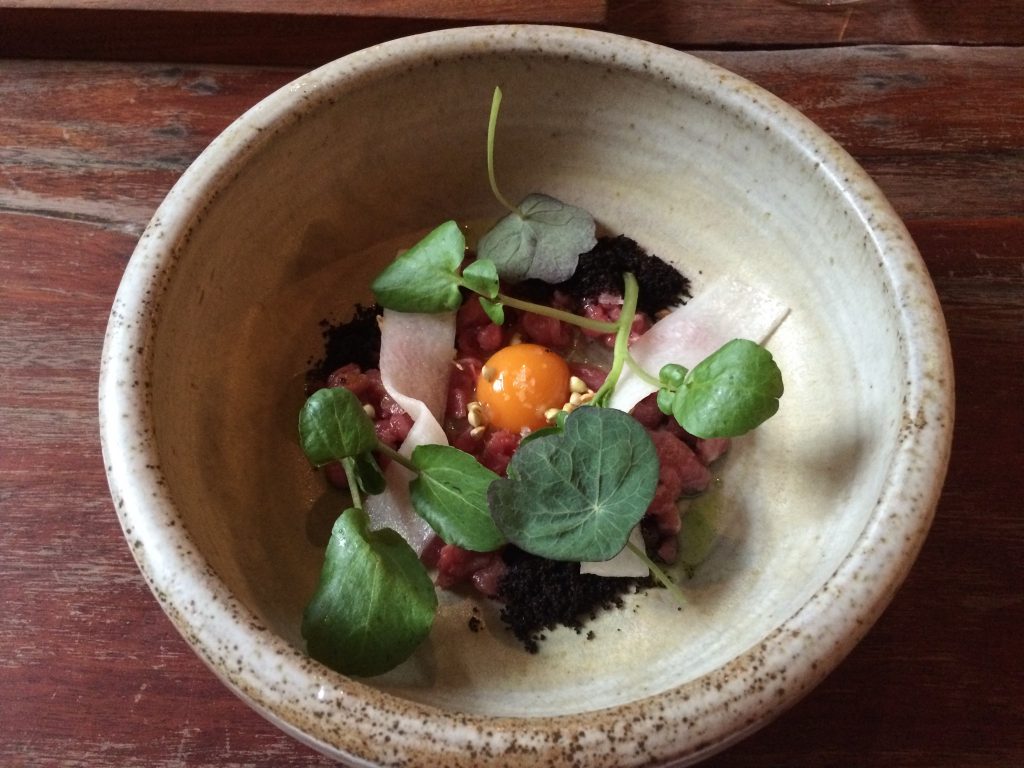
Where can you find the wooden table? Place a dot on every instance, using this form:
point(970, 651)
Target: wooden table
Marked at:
point(927, 95)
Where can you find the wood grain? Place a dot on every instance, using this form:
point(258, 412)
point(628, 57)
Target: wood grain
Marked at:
point(792, 23)
point(310, 33)
point(92, 674)
point(521, 10)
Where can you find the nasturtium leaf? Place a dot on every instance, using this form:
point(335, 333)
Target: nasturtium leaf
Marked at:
point(450, 493)
point(552, 429)
point(730, 392)
point(576, 495)
point(481, 277)
point(494, 310)
point(375, 601)
point(425, 278)
point(543, 240)
point(333, 425)
point(539, 433)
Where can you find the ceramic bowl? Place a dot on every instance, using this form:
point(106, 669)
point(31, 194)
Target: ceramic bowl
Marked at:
point(284, 220)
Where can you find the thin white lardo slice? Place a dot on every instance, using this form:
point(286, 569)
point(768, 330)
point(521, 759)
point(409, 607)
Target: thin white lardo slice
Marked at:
point(624, 564)
point(724, 310)
point(415, 362)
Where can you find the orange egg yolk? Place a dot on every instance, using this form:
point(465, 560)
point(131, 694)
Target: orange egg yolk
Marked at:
point(519, 383)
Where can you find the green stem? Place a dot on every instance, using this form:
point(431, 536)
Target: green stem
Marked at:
point(598, 326)
point(621, 350)
point(394, 455)
point(658, 573)
point(636, 368)
point(492, 125)
point(353, 483)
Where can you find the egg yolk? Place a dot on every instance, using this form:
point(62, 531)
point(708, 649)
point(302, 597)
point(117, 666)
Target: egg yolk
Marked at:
point(519, 383)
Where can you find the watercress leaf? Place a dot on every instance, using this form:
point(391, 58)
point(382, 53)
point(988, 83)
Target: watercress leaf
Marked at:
point(672, 375)
point(481, 277)
point(333, 425)
point(730, 392)
point(576, 495)
point(666, 400)
point(368, 474)
point(425, 278)
point(375, 601)
point(494, 310)
point(450, 493)
point(542, 240)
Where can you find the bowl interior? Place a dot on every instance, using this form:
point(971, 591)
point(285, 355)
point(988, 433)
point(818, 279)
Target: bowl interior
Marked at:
point(697, 166)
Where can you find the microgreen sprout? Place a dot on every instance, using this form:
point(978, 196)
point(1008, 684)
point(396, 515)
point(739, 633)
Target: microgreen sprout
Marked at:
point(492, 126)
point(542, 237)
point(621, 350)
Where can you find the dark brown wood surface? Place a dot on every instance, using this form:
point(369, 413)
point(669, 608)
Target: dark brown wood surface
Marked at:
point(92, 674)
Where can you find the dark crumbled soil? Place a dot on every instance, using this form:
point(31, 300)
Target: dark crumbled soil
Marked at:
point(600, 271)
point(540, 594)
point(354, 341)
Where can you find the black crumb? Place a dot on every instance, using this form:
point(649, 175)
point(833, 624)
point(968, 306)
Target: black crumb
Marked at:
point(600, 271)
point(475, 625)
point(354, 341)
point(540, 594)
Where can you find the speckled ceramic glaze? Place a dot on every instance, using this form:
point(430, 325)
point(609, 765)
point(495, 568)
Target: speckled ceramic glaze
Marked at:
point(284, 221)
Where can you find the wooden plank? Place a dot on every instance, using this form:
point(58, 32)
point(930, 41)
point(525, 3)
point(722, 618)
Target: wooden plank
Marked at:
point(898, 100)
point(265, 39)
point(308, 34)
point(698, 23)
point(920, 119)
point(94, 155)
point(581, 11)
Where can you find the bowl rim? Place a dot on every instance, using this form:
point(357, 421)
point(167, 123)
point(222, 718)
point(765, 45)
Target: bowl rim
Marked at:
point(678, 726)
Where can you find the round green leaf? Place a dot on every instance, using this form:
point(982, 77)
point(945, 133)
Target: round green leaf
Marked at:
point(481, 277)
point(730, 392)
point(333, 425)
point(543, 240)
point(425, 278)
point(375, 602)
point(368, 474)
point(450, 493)
point(494, 310)
point(576, 495)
